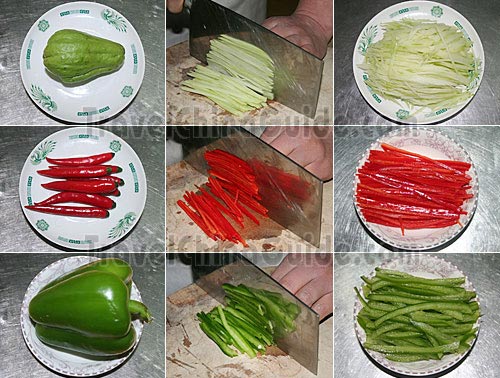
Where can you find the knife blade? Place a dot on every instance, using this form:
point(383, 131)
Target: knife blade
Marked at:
point(292, 195)
point(215, 269)
point(298, 73)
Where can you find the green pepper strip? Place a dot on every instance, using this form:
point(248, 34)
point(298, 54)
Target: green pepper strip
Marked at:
point(448, 348)
point(239, 341)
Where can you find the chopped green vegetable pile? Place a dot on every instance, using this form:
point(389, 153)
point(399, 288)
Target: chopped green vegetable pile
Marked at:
point(239, 76)
point(410, 318)
point(252, 320)
point(422, 63)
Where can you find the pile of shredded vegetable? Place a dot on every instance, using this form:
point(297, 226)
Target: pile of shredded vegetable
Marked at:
point(239, 76)
point(422, 63)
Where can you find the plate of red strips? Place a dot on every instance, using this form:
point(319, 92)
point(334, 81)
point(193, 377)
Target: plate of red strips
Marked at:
point(229, 198)
point(83, 188)
point(415, 189)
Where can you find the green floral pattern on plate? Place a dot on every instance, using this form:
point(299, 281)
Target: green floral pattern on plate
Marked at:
point(115, 146)
point(43, 99)
point(437, 11)
point(127, 91)
point(42, 225)
point(42, 151)
point(402, 114)
point(122, 226)
point(43, 25)
point(115, 20)
point(367, 38)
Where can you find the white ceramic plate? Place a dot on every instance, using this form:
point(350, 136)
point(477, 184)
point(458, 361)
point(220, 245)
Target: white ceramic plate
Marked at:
point(373, 32)
point(426, 266)
point(100, 98)
point(84, 233)
point(61, 362)
point(435, 145)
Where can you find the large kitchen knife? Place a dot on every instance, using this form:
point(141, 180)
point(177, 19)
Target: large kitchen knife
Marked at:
point(214, 269)
point(292, 194)
point(297, 75)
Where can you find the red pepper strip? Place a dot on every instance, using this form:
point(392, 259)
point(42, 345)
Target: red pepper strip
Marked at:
point(245, 211)
point(392, 215)
point(410, 225)
point(64, 172)
point(85, 160)
point(389, 192)
point(71, 211)
point(407, 209)
point(388, 147)
point(244, 190)
point(223, 224)
point(245, 199)
point(191, 200)
point(230, 165)
point(111, 168)
point(421, 193)
point(240, 182)
point(90, 186)
point(219, 192)
point(195, 218)
point(229, 157)
point(213, 202)
point(84, 198)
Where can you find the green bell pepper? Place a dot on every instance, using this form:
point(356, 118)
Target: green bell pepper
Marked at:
point(111, 265)
point(88, 313)
point(79, 343)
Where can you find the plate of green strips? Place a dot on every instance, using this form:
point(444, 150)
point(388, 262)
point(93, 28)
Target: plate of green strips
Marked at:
point(417, 315)
point(418, 62)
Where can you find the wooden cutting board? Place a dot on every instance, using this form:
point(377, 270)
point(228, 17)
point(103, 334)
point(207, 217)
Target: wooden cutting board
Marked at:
point(184, 108)
point(190, 353)
point(183, 235)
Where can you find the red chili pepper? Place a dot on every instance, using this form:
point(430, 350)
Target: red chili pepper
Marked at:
point(115, 179)
point(85, 160)
point(71, 211)
point(78, 172)
point(90, 186)
point(115, 193)
point(84, 198)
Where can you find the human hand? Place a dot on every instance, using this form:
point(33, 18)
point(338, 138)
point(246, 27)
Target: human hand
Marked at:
point(175, 6)
point(301, 30)
point(310, 277)
point(310, 26)
point(310, 146)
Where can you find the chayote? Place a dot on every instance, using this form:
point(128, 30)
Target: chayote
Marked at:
point(75, 57)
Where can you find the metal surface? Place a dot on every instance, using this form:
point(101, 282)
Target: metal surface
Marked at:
point(16, 144)
point(297, 75)
point(483, 146)
point(147, 17)
point(483, 271)
point(352, 16)
point(297, 207)
point(302, 344)
point(17, 271)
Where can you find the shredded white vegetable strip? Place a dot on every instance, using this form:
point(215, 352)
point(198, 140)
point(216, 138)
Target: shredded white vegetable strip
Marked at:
point(239, 76)
point(421, 63)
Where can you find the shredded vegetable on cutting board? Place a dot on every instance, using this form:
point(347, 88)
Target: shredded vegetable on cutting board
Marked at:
point(239, 76)
point(422, 63)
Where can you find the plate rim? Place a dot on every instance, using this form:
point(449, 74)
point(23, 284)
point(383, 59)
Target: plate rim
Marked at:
point(118, 362)
point(83, 247)
point(421, 247)
point(112, 114)
point(383, 361)
point(442, 117)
